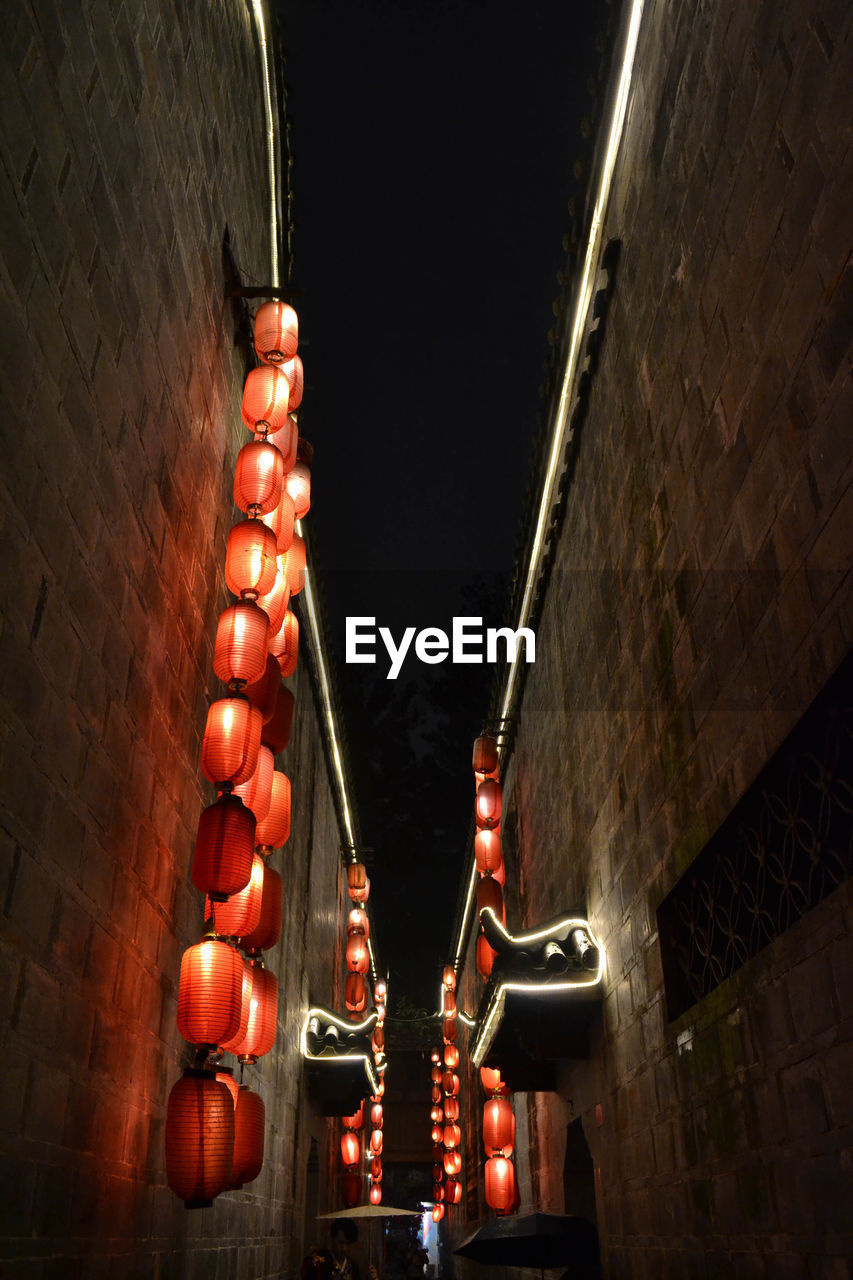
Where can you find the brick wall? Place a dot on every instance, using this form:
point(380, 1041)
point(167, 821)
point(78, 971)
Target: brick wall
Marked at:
point(132, 142)
point(699, 600)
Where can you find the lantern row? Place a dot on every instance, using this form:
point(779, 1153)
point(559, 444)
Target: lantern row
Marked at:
point(227, 999)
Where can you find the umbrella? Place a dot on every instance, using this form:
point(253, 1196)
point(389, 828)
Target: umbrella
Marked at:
point(534, 1240)
point(370, 1211)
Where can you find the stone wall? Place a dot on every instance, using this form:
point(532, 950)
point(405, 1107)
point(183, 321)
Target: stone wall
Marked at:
point(133, 144)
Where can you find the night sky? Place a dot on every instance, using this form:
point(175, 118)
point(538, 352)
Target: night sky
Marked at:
point(434, 145)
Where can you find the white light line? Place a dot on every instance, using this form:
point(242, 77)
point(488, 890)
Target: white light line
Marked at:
point(258, 7)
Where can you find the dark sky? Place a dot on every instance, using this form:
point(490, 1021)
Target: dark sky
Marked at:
point(434, 144)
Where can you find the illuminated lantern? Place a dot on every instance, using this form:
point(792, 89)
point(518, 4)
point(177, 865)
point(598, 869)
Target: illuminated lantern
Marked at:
point(256, 793)
point(240, 649)
point(381, 989)
point(356, 993)
point(437, 1192)
point(285, 644)
point(258, 477)
point(298, 482)
point(276, 332)
point(452, 1191)
point(245, 1002)
point(380, 1013)
point(485, 956)
point(449, 1004)
point(376, 1168)
point(295, 375)
point(490, 1078)
point(358, 922)
point(452, 1136)
point(488, 803)
point(437, 1134)
point(274, 603)
point(435, 1056)
point(485, 758)
point(375, 1193)
point(249, 1118)
point(266, 400)
point(232, 739)
point(450, 1083)
point(281, 520)
point(227, 1078)
point(448, 1030)
point(250, 559)
point(351, 1188)
point(498, 1127)
point(241, 913)
point(376, 1142)
point(500, 1184)
point(263, 692)
point(222, 857)
point(435, 1075)
point(487, 851)
point(380, 1092)
point(451, 1109)
point(490, 894)
point(436, 1115)
point(350, 1148)
point(263, 1014)
point(452, 1163)
point(437, 1095)
point(499, 874)
point(268, 930)
point(437, 1212)
point(294, 565)
point(276, 732)
point(437, 1172)
point(358, 957)
point(376, 1115)
point(451, 1056)
point(356, 1120)
point(377, 1042)
point(448, 978)
point(210, 992)
point(288, 442)
point(274, 831)
point(356, 880)
point(199, 1139)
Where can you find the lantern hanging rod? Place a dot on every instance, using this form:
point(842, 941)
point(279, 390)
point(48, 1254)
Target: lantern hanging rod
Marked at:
point(265, 291)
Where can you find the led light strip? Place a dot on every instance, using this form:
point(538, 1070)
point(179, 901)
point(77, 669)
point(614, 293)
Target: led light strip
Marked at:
point(258, 9)
point(584, 298)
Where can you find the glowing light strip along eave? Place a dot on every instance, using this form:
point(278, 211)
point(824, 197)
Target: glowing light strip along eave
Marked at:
point(258, 9)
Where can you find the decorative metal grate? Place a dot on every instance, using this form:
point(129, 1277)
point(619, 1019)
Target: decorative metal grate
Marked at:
point(785, 846)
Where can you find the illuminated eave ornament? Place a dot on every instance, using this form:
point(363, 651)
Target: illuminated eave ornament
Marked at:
point(342, 1071)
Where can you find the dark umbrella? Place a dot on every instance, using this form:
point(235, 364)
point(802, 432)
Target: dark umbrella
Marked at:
point(535, 1240)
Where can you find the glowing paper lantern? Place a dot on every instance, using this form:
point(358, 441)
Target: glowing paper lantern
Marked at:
point(485, 758)
point(490, 894)
point(226, 1077)
point(241, 913)
point(294, 565)
point(437, 1094)
point(258, 477)
point(376, 1168)
point(295, 375)
point(249, 1118)
point(274, 830)
point(452, 1136)
point(298, 482)
point(232, 739)
point(375, 1193)
point(376, 1115)
point(380, 1012)
point(357, 955)
point(276, 332)
point(449, 1004)
point(263, 1015)
point(357, 882)
point(350, 1148)
point(256, 792)
point(358, 922)
point(377, 1040)
point(245, 1002)
point(488, 805)
point(263, 692)
point(500, 1184)
point(487, 851)
point(498, 1127)
point(281, 520)
point(199, 1139)
point(250, 559)
point(451, 1056)
point(355, 993)
point(268, 930)
point(450, 1083)
point(285, 644)
point(274, 603)
point(451, 1109)
point(376, 1142)
point(266, 400)
point(436, 1115)
point(210, 992)
point(448, 978)
point(435, 1056)
point(435, 1074)
point(240, 649)
point(490, 1078)
point(452, 1191)
point(437, 1172)
point(437, 1212)
point(485, 956)
point(381, 989)
point(438, 1192)
point(222, 857)
point(448, 1030)
point(437, 1134)
point(452, 1163)
point(276, 732)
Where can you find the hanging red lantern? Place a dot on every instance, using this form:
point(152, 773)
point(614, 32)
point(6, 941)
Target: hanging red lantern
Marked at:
point(488, 803)
point(452, 1191)
point(281, 520)
point(357, 955)
point(256, 792)
point(274, 831)
point(437, 1094)
point(452, 1163)
point(451, 1056)
point(500, 1184)
point(210, 991)
point(448, 1030)
point(485, 956)
point(377, 1042)
point(380, 1012)
point(357, 882)
point(250, 559)
point(498, 1127)
point(266, 400)
point(435, 1056)
point(298, 482)
point(436, 1115)
point(274, 603)
point(375, 1193)
point(276, 332)
point(435, 1075)
point(437, 1172)
point(240, 648)
point(226, 1077)
point(247, 984)
point(350, 1148)
point(268, 930)
point(437, 1134)
point(437, 1212)
point(449, 1002)
point(490, 894)
point(249, 1120)
point(451, 1109)
point(276, 732)
point(294, 565)
point(499, 874)
point(490, 1078)
point(448, 978)
point(356, 1120)
point(376, 1142)
point(263, 1015)
point(355, 993)
point(351, 1188)
point(232, 739)
point(487, 850)
point(485, 758)
point(295, 375)
point(225, 839)
point(358, 922)
point(258, 477)
point(263, 692)
point(376, 1168)
point(285, 644)
point(199, 1139)
point(381, 988)
point(450, 1083)
point(376, 1115)
point(452, 1136)
point(437, 1192)
point(241, 913)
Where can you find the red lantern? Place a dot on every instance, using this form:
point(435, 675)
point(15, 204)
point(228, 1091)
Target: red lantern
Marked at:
point(240, 649)
point(435, 1056)
point(298, 482)
point(266, 400)
point(295, 375)
point(356, 993)
point(288, 442)
point(490, 1078)
point(448, 1030)
point(276, 733)
point(258, 477)
point(358, 885)
point(256, 793)
point(357, 956)
point(437, 1172)
point(485, 758)
point(281, 520)
point(452, 1136)
point(485, 956)
point(226, 1077)
point(488, 803)
point(274, 831)
point(437, 1192)
point(232, 739)
point(376, 1168)
point(380, 1013)
point(450, 1083)
point(294, 565)
point(241, 914)
point(487, 851)
point(350, 1148)
point(276, 332)
point(285, 644)
point(437, 1094)
point(222, 858)
point(210, 991)
point(437, 1212)
point(436, 1115)
point(500, 1184)
point(356, 1120)
point(380, 1091)
point(199, 1139)
point(263, 693)
point(437, 1134)
point(451, 1056)
point(449, 1004)
point(490, 894)
point(500, 875)
point(452, 1191)
point(263, 1014)
point(435, 1075)
point(358, 922)
point(268, 930)
point(274, 603)
point(438, 1149)
point(249, 1118)
point(498, 1127)
point(451, 1109)
point(247, 985)
point(377, 1042)
point(250, 559)
point(381, 989)
point(375, 1193)
point(376, 1115)
point(376, 1142)
point(448, 978)
point(351, 1188)
point(452, 1163)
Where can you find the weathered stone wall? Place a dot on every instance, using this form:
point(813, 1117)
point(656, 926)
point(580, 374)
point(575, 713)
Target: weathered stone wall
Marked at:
point(699, 600)
point(133, 140)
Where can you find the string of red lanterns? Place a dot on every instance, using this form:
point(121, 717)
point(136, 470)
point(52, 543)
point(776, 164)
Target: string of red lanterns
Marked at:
point(227, 999)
